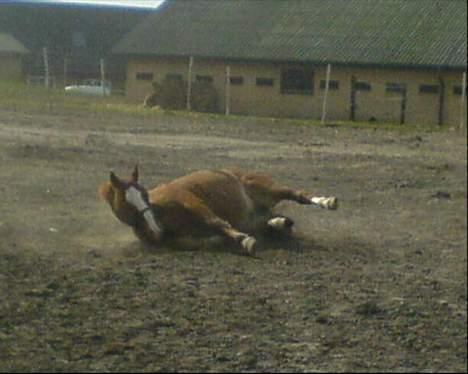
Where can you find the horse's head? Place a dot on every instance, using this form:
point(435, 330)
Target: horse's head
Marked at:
point(129, 201)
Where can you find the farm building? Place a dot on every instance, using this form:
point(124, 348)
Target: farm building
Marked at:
point(76, 36)
point(390, 61)
point(12, 53)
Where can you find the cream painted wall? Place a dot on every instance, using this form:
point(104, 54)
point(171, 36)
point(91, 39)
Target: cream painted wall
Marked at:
point(251, 99)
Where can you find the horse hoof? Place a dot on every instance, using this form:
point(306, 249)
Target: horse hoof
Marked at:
point(332, 203)
point(280, 223)
point(248, 244)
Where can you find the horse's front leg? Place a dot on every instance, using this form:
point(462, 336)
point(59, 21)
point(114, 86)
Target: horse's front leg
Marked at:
point(245, 240)
point(146, 235)
point(280, 224)
point(221, 226)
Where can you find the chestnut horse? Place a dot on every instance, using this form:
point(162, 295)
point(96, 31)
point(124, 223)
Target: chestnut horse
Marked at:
point(228, 203)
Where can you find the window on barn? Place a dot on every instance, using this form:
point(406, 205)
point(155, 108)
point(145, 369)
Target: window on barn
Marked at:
point(362, 86)
point(204, 78)
point(332, 85)
point(395, 87)
point(144, 76)
point(236, 80)
point(429, 88)
point(297, 81)
point(265, 82)
point(174, 77)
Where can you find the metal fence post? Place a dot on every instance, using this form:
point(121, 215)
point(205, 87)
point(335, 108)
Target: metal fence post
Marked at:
point(189, 84)
point(462, 102)
point(45, 57)
point(327, 84)
point(228, 90)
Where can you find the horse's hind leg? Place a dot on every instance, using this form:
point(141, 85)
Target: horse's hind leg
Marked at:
point(265, 192)
point(302, 197)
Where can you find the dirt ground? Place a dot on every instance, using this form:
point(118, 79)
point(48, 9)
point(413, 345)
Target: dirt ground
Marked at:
point(378, 285)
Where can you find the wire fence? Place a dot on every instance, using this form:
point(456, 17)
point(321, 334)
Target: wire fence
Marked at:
point(53, 68)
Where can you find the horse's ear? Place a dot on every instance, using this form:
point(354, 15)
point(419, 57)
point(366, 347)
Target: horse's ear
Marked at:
point(115, 181)
point(135, 174)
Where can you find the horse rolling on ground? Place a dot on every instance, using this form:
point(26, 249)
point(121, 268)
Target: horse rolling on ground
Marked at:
point(229, 203)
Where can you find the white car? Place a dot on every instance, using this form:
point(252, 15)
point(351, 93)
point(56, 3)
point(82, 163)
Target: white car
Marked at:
point(91, 87)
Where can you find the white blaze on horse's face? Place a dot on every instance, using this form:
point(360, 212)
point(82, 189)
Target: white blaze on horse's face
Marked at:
point(134, 197)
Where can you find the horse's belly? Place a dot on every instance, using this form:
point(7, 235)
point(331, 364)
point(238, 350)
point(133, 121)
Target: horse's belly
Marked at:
point(226, 197)
point(221, 192)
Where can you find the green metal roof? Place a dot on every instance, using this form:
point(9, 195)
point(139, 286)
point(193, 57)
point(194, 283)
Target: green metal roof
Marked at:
point(414, 33)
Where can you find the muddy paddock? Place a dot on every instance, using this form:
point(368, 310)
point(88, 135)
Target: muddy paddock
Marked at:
point(378, 285)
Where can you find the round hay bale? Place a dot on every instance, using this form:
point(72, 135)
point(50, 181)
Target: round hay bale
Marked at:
point(173, 94)
point(154, 98)
point(204, 97)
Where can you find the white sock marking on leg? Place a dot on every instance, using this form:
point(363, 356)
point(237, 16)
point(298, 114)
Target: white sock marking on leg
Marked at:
point(248, 243)
point(325, 202)
point(277, 223)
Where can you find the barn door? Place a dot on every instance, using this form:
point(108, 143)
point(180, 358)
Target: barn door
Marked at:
point(396, 93)
point(360, 93)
